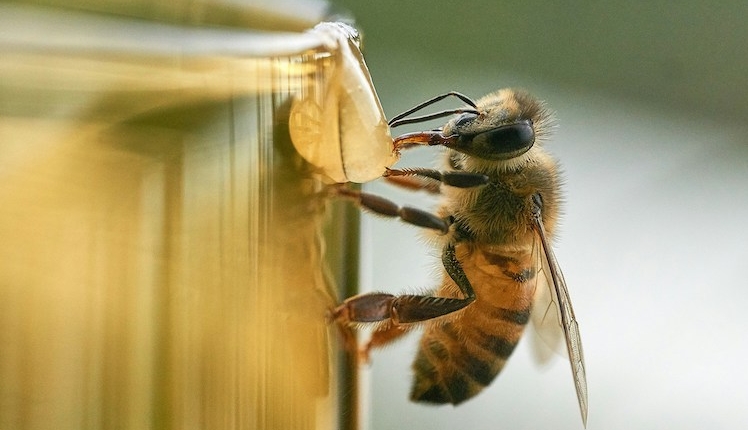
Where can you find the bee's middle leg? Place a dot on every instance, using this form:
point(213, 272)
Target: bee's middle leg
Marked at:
point(382, 206)
point(413, 178)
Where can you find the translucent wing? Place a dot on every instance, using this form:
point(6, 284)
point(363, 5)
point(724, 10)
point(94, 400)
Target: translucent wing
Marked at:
point(548, 334)
point(553, 311)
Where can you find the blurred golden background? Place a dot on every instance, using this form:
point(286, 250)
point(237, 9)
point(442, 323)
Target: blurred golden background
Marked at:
point(161, 242)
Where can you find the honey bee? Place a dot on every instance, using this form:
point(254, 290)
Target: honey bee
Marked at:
point(501, 193)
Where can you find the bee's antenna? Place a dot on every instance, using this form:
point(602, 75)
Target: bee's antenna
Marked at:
point(398, 119)
point(394, 122)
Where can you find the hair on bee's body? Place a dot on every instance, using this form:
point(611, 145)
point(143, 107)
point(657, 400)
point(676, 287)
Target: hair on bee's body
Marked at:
point(501, 194)
point(494, 242)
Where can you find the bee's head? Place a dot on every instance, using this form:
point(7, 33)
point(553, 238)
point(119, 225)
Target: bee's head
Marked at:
point(508, 124)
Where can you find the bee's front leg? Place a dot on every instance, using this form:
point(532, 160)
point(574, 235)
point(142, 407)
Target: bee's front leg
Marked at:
point(429, 180)
point(453, 178)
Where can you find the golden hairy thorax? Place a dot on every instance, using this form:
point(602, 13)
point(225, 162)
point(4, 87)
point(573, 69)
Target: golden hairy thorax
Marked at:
point(499, 212)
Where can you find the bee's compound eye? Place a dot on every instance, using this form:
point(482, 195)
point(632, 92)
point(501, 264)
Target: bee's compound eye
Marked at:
point(504, 142)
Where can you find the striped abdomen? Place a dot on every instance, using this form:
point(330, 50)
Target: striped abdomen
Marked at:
point(460, 355)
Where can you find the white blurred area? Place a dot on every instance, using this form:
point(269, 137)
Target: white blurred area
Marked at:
point(653, 239)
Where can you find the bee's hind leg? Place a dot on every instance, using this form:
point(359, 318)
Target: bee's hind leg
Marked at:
point(397, 314)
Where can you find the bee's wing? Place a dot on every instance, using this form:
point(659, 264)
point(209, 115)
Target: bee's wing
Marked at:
point(553, 311)
point(546, 319)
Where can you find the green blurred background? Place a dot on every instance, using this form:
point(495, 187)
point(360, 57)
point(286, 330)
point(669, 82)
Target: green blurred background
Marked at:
point(685, 57)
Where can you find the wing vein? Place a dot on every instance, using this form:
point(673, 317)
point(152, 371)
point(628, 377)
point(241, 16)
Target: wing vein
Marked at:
point(568, 320)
